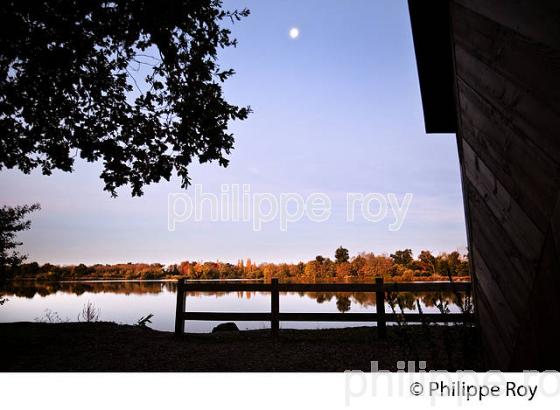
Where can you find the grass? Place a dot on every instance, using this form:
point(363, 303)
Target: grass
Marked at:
point(103, 346)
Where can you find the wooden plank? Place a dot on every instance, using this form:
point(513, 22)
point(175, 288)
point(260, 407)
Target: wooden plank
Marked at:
point(427, 286)
point(531, 65)
point(328, 317)
point(510, 270)
point(180, 308)
point(227, 287)
point(520, 166)
point(229, 316)
point(380, 306)
point(274, 307)
point(509, 317)
point(555, 224)
point(374, 317)
point(430, 317)
point(523, 232)
point(328, 287)
point(325, 317)
point(537, 20)
point(496, 352)
point(518, 109)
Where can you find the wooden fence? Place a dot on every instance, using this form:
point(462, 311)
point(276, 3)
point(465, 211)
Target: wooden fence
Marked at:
point(275, 316)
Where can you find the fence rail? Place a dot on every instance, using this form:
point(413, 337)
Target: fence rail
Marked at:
point(275, 316)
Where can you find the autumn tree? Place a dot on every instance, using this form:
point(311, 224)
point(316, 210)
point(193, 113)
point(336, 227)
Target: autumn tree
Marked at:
point(311, 270)
point(427, 261)
point(343, 270)
point(403, 257)
point(452, 264)
point(298, 270)
point(357, 266)
point(376, 265)
point(132, 84)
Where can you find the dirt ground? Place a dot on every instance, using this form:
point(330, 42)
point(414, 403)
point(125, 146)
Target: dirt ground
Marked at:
point(111, 347)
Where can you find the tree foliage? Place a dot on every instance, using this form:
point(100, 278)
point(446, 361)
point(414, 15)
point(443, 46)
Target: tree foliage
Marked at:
point(69, 85)
point(341, 255)
point(402, 257)
point(12, 221)
point(364, 266)
point(343, 303)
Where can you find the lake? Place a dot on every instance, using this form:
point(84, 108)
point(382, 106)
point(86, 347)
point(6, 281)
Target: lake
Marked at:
point(125, 302)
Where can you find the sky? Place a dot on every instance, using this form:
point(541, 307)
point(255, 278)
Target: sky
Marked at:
point(336, 110)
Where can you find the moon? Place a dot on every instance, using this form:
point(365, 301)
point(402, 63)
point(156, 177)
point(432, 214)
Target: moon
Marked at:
point(294, 33)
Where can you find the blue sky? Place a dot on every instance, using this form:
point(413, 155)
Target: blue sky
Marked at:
point(336, 110)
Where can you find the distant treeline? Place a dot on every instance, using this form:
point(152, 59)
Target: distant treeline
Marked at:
point(399, 266)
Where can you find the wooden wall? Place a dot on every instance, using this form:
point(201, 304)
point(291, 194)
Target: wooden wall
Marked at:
point(507, 86)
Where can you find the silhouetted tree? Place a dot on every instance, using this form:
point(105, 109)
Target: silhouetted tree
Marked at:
point(67, 87)
point(12, 221)
point(341, 255)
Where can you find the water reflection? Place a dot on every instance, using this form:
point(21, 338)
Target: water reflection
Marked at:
point(126, 301)
point(28, 289)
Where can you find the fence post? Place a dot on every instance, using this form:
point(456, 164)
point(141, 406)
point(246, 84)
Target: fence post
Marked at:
point(274, 307)
point(180, 309)
point(380, 305)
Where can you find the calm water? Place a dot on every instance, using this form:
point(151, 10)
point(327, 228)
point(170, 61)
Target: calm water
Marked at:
point(127, 301)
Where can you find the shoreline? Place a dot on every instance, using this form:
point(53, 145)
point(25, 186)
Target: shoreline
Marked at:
point(106, 346)
point(176, 278)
